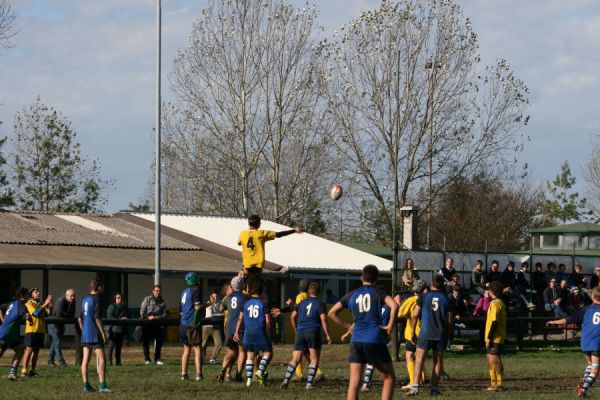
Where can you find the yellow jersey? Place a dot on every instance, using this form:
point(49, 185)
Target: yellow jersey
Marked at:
point(496, 312)
point(406, 311)
point(37, 324)
point(301, 297)
point(253, 246)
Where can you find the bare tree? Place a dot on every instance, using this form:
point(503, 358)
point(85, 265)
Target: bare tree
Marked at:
point(591, 174)
point(248, 132)
point(412, 104)
point(7, 23)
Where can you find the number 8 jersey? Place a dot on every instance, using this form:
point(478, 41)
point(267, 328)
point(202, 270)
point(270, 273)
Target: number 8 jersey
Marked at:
point(590, 331)
point(366, 303)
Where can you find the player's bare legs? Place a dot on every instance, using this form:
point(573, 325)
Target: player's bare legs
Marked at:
point(388, 376)
point(101, 364)
point(294, 362)
point(185, 357)
point(85, 361)
point(354, 380)
point(438, 367)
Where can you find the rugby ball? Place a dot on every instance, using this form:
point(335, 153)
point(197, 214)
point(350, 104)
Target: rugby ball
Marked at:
point(336, 192)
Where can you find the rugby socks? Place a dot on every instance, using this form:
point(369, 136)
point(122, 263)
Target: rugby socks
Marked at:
point(499, 374)
point(13, 370)
point(249, 369)
point(290, 371)
point(410, 368)
point(263, 365)
point(492, 370)
point(588, 381)
point(312, 371)
point(368, 375)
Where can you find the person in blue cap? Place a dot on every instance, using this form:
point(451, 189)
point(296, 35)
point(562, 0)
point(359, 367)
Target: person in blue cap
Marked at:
point(190, 326)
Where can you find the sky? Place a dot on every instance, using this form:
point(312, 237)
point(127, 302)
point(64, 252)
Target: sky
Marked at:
point(95, 61)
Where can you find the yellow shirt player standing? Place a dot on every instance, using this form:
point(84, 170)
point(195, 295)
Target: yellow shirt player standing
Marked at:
point(405, 311)
point(495, 333)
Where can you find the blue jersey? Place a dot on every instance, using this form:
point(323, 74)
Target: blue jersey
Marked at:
point(90, 311)
point(366, 303)
point(190, 298)
point(434, 315)
point(385, 314)
point(309, 313)
point(255, 328)
point(590, 330)
point(234, 303)
point(10, 328)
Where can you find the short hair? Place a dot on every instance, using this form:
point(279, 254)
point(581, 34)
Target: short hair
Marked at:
point(314, 289)
point(525, 264)
point(479, 262)
point(438, 282)
point(117, 294)
point(370, 273)
point(578, 266)
point(539, 265)
point(511, 263)
point(257, 288)
point(21, 293)
point(495, 262)
point(95, 285)
point(596, 293)
point(156, 287)
point(254, 221)
point(69, 291)
point(496, 288)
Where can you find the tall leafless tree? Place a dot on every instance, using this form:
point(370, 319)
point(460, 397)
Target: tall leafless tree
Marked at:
point(411, 102)
point(7, 23)
point(248, 131)
point(591, 174)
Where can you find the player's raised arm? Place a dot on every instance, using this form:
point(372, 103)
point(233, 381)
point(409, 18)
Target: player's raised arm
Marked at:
point(297, 229)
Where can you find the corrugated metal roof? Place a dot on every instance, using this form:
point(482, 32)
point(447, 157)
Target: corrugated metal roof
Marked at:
point(24, 227)
point(294, 251)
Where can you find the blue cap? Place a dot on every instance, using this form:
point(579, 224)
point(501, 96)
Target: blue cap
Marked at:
point(191, 278)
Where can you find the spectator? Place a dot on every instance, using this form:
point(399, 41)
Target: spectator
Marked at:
point(409, 275)
point(482, 305)
point(595, 279)
point(565, 295)
point(552, 299)
point(35, 328)
point(448, 270)
point(493, 274)
point(454, 282)
point(64, 308)
point(562, 274)
point(116, 333)
point(577, 278)
point(515, 304)
point(213, 313)
point(550, 272)
point(523, 282)
point(330, 298)
point(458, 303)
point(508, 277)
point(153, 307)
point(478, 278)
point(538, 280)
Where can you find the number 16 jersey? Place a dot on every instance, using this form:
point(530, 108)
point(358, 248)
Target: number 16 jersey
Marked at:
point(366, 303)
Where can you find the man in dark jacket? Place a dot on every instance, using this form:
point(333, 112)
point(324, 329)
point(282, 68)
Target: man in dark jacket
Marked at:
point(553, 300)
point(153, 307)
point(64, 308)
point(116, 333)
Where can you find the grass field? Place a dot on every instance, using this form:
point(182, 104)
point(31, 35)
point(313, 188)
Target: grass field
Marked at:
point(543, 374)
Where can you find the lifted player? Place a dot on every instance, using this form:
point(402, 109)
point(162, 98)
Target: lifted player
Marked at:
point(10, 337)
point(368, 335)
point(257, 324)
point(310, 315)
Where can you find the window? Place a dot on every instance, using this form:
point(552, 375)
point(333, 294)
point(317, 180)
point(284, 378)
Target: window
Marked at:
point(549, 241)
point(536, 242)
point(571, 241)
point(594, 242)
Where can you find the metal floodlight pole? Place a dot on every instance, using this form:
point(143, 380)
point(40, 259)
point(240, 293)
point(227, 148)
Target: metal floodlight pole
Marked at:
point(157, 152)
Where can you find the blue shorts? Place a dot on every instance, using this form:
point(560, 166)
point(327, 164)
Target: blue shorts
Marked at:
point(92, 346)
point(190, 336)
point(369, 353)
point(35, 340)
point(410, 346)
point(309, 338)
point(266, 347)
point(595, 353)
point(436, 345)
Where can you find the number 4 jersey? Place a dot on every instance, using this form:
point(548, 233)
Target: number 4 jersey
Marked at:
point(366, 304)
point(590, 331)
point(253, 246)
